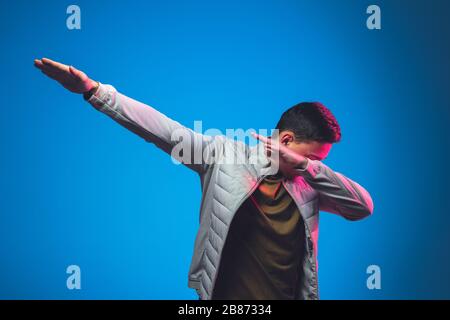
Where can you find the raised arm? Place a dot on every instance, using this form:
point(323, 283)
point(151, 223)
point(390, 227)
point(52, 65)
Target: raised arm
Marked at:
point(193, 149)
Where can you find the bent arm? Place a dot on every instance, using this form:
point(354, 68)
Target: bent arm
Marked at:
point(337, 193)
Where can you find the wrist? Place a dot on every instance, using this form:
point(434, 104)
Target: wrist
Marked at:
point(303, 165)
point(94, 87)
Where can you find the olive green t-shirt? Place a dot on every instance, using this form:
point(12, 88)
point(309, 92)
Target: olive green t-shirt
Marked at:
point(262, 255)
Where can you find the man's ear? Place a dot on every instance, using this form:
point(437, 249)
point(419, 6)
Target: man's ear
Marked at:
point(286, 137)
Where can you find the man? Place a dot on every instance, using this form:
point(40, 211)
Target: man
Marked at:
point(259, 218)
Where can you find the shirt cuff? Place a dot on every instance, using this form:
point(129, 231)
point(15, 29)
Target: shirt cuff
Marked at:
point(312, 168)
point(101, 97)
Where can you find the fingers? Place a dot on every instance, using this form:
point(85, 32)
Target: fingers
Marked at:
point(51, 72)
point(52, 75)
point(260, 137)
point(38, 63)
point(268, 142)
point(54, 64)
point(54, 68)
point(269, 146)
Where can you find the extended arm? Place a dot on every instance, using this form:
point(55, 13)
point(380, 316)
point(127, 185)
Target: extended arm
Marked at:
point(191, 148)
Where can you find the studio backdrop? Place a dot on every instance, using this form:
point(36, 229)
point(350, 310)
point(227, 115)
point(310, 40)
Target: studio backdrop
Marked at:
point(80, 194)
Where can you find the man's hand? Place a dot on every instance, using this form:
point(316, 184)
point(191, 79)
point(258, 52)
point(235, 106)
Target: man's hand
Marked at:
point(287, 160)
point(70, 78)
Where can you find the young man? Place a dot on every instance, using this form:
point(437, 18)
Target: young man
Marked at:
point(259, 217)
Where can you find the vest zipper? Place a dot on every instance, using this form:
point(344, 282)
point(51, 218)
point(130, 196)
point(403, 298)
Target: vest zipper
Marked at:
point(308, 235)
point(213, 283)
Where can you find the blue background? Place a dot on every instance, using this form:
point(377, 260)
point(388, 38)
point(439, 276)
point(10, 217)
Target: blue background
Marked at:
point(76, 188)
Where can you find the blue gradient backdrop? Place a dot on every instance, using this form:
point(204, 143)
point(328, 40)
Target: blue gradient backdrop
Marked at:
point(76, 188)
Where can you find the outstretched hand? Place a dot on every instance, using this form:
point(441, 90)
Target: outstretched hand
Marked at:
point(70, 78)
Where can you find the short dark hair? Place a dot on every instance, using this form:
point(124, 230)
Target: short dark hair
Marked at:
point(311, 121)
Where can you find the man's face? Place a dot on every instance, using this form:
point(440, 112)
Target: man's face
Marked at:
point(312, 150)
